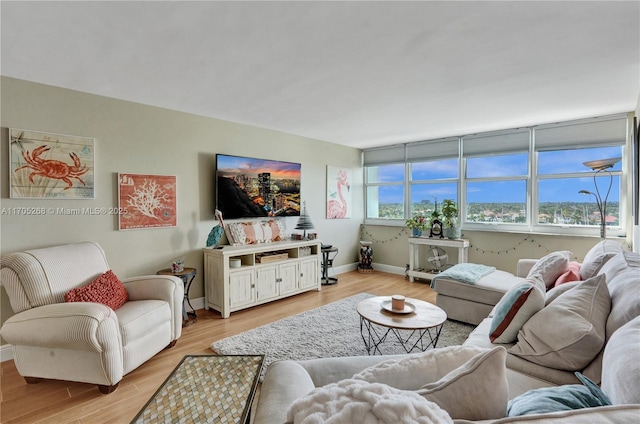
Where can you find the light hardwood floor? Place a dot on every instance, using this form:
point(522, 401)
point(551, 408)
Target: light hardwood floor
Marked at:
point(65, 402)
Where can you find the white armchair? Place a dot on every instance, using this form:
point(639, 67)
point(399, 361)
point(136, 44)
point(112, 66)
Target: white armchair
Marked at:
point(82, 341)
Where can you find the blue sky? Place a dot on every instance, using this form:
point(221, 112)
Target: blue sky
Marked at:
point(550, 190)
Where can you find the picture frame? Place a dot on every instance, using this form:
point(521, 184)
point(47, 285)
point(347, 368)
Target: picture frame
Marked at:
point(339, 199)
point(45, 165)
point(146, 201)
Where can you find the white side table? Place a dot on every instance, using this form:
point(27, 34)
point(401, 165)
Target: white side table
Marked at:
point(414, 249)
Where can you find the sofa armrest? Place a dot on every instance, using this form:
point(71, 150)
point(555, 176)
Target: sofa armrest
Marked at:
point(284, 382)
point(325, 371)
point(73, 325)
point(159, 287)
point(524, 266)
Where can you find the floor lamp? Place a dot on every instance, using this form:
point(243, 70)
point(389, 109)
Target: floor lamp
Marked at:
point(600, 166)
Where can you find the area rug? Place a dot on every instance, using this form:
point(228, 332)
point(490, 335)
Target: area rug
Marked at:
point(328, 331)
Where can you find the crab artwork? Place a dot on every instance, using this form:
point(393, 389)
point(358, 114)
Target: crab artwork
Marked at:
point(50, 168)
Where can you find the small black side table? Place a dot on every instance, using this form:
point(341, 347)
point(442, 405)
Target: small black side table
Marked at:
point(187, 275)
point(327, 260)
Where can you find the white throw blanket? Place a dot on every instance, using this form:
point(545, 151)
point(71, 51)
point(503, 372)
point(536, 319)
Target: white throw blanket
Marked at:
point(359, 402)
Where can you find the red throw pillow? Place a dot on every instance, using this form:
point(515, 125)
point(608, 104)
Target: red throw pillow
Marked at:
point(106, 289)
point(571, 274)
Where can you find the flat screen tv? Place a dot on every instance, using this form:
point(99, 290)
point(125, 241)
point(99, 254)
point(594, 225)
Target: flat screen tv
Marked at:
point(249, 187)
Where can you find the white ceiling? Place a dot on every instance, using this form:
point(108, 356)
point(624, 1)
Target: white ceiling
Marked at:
point(356, 73)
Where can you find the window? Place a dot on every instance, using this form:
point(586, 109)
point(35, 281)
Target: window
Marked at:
point(561, 151)
point(525, 179)
point(385, 191)
point(496, 175)
point(433, 169)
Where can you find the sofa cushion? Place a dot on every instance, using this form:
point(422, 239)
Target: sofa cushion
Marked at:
point(106, 289)
point(625, 300)
point(515, 308)
point(597, 256)
point(457, 392)
point(623, 281)
point(551, 266)
point(559, 398)
point(613, 414)
point(138, 318)
point(488, 289)
point(569, 332)
point(621, 370)
point(619, 263)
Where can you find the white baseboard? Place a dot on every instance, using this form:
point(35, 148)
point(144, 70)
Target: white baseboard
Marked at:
point(6, 352)
point(379, 267)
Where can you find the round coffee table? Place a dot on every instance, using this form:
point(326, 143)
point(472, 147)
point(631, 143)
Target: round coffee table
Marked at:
point(415, 330)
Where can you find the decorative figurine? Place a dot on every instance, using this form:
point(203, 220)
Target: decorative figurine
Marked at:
point(436, 229)
point(366, 257)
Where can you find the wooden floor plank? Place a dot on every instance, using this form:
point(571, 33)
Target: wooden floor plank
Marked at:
point(68, 402)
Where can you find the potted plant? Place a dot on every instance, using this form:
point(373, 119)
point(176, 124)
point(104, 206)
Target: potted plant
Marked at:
point(417, 224)
point(450, 213)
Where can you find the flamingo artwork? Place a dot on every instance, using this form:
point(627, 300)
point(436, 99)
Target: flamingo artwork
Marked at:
point(338, 208)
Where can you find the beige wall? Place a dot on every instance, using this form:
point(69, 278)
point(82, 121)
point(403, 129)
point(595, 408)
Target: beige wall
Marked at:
point(501, 250)
point(137, 138)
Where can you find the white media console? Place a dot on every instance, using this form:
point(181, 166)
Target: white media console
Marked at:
point(264, 272)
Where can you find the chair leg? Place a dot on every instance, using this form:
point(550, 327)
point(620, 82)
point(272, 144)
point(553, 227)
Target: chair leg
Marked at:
point(172, 344)
point(105, 390)
point(32, 380)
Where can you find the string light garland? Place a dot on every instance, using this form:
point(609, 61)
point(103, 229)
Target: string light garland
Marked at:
point(404, 232)
point(363, 232)
point(512, 249)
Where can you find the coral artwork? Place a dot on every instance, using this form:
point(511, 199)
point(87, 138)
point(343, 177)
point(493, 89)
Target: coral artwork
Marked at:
point(147, 201)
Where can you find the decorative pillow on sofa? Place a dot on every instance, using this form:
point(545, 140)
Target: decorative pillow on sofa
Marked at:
point(458, 392)
point(515, 308)
point(412, 371)
point(559, 398)
point(555, 292)
point(571, 274)
point(106, 289)
point(597, 257)
point(569, 332)
point(456, 376)
point(551, 266)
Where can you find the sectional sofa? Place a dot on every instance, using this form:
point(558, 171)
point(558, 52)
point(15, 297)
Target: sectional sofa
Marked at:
point(591, 327)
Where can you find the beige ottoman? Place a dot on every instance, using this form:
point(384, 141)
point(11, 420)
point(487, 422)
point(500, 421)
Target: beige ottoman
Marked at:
point(472, 303)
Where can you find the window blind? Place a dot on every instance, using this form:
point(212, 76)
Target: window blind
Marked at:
point(384, 155)
point(597, 132)
point(496, 143)
point(430, 150)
